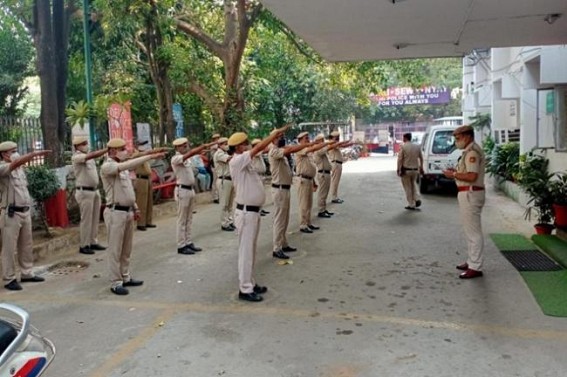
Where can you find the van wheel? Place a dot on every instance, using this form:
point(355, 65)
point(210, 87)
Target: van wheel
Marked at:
point(423, 186)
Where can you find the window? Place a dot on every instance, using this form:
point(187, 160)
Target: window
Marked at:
point(443, 142)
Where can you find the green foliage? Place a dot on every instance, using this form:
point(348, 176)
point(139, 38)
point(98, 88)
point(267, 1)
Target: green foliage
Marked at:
point(505, 161)
point(42, 182)
point(78, 113)
point(534, 179)
point(481, 122)
point(558, 188)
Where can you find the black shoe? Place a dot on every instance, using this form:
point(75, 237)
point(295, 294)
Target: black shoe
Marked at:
point(227, 228)
point(98, 247)
point(324, 215)
point(141, 227)
point(13, 286)
point(192, 247)
point(337, 201)
point(288, 249)
point(262, 212)
point(119, 290)
point(259, 290)
point(418, 203)
point(216, 201)
point(151, 226)
point(279, 254)
point(86, 250)
point(133, 283)
point(305, 230)
point(33, 279)
point(410, 208)
point(313, 227)
point(184, 250)
point(254, 297)
point(329, 213)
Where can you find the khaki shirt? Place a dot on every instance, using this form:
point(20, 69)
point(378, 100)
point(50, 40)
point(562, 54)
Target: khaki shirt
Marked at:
point(472, 161)
point(221, 159)
point(13, 186)
point(85, 170)
point(248, 185)
point(336, 155)
point(145, 169)
point(279, 166)
point(409, 156)
point(117, 183)
point(259, 164)
point(321, 159)
point(305, 164)
point(183, 170)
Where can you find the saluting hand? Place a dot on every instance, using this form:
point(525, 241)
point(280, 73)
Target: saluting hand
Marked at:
point(42, 153)
point(158, 155)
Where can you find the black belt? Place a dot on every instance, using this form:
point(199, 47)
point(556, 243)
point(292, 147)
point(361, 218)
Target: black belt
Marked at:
point(409, 168)
point(142, 176)
point(19, 208)
point(85, 188)
point(228, 178)
point(186, 187)
point(285, 187)
point(324, 171)
point(121, 208)
point(305, 177)
point(337, 162)
point(242, 207)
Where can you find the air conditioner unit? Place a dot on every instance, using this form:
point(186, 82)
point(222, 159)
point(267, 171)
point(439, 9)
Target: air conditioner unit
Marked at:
point(506, 135)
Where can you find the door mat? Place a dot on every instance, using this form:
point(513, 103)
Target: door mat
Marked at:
point(549, 288)
point(530, 260)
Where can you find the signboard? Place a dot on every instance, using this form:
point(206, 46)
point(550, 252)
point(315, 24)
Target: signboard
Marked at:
point(143, 132)
point(178, 117)
point(120, 123)
point(429, 95)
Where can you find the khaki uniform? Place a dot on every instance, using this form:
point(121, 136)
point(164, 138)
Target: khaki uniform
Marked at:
point(224, 186)
point(87, 196)
point(144, 193)
point(306, 171)
point(336, 158)
point(259, 165)
point(185, 197)
point(16, 230)
point(409, 159)
point(119, 215)
point(282, 179)
point(471, 201)
point(323, 177)
point(251, 195)
point(214, 188)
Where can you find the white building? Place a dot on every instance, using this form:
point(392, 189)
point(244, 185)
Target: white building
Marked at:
point(525, 91)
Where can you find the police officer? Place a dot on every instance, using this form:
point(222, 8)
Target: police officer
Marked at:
point(121, 212)
point(260, 166)
point(86, 193)
point(410, 165)
point(143, 187)
point(323, 175)
point(185, 192)
point(15, 216)
point(210, 155)
point(250, 196)
point(469, 177)
point(224, 185)
point(282, 179)
point(336, 157)
point(306, 170)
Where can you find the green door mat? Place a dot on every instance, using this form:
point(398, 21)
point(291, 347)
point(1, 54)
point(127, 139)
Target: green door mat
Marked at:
point(549, 288)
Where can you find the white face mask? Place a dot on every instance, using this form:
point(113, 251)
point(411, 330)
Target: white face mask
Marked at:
point(122, 155)
point(14, 156)
point(83, 148)
point(460, 144)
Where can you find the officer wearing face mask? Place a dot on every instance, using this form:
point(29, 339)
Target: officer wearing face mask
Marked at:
point(15, 216)
point(224, 184)
point(469, 177)
point(86, 193)
point(121, 212)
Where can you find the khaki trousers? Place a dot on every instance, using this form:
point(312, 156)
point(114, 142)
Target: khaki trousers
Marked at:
point(324, 181)
point(145, 201)
point(281, 198)
point(409, 183)
point(120, 231)
point(248, 227)
point(89, 206)
point(185, 203)
point(336, 173)
point(214, 188)
point(305, 193)
point(470, 207)
point(226, 192)
point(16, 241)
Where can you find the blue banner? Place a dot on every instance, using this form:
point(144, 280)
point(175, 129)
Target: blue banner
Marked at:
point(178, 117)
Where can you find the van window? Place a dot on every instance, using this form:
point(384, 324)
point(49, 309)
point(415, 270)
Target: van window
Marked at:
point(424, 141)
point(443, 142)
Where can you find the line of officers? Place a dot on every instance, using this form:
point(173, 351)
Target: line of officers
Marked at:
point(318, 168)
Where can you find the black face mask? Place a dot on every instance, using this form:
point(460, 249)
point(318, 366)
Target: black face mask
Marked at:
point(281, 143)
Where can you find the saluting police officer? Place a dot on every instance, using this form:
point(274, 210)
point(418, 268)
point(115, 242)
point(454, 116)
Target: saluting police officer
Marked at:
point(250, 196)
point(469, 177)
point(143, 188)
point(121, 212)
point(306, 170)
point(86, 193)
point(15, 216)
point(185, 192)
point(210, 155)
point(336, 157)
point(260, 166)
point(224, 185)
point(282, 179)
point(323, 175)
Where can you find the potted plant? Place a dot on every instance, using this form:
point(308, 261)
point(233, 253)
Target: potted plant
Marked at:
point(558, 187)
point(42, 185)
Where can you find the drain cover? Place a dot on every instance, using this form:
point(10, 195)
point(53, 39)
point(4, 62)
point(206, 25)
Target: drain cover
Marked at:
point(530, 260)
point(66, 268)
